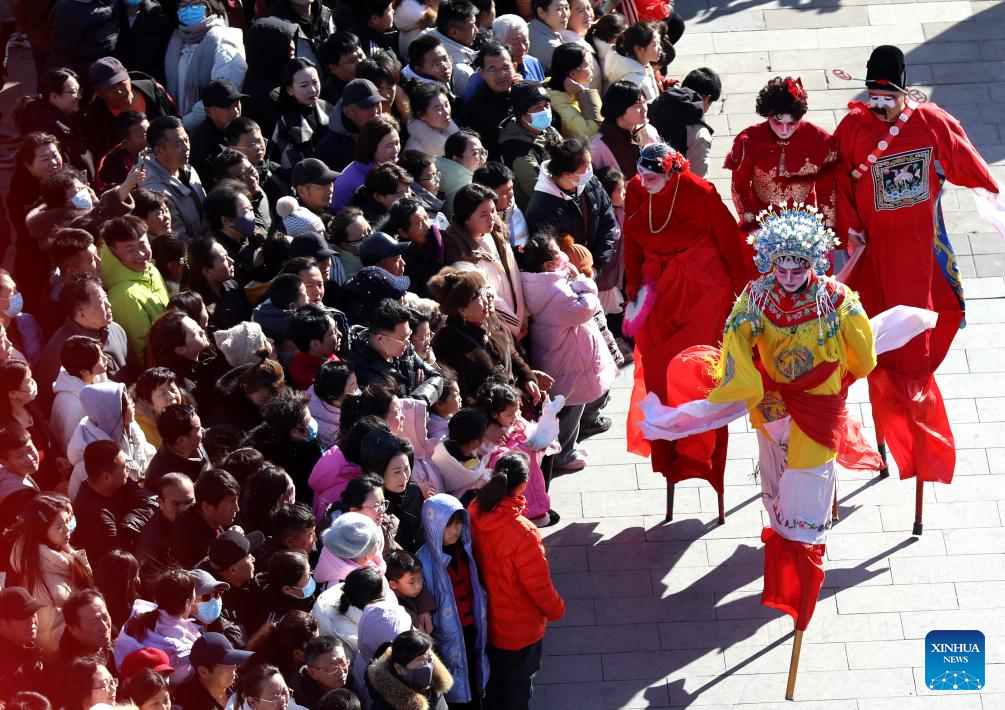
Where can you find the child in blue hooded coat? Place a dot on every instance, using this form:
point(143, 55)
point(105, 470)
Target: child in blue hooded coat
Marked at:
point(460, 624)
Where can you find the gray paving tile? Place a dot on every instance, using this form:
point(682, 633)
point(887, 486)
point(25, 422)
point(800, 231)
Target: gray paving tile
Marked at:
point(899, 597)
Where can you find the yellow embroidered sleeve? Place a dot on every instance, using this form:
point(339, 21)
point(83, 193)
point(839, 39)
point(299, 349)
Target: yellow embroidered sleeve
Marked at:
point(738, 379)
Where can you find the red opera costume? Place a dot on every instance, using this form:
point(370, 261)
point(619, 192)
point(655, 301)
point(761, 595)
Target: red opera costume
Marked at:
point(889, 190)
point(684, 244)
point(769, 171)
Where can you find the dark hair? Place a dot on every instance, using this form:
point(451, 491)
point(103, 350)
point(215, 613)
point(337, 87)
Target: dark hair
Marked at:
point(704, 82)
point(224, 161)
point(167, 248)
point(157, 131)
point(277, 643)
point(67, 243)
point(289, 519)
point(370, 135)
point(566, 59)
point(337, 46)
point(379, 447)
point(356, 491)
point(214, 486)
point(275, 250)
point(609, 177)
point(286, 567)
point(319, 646)
point(242, 463)
point(116, 575)
point(285, 412)
point(415, 161)
point(619, 97)
point(166, 334)
point(458, 142)
point(175, 421)
point(78, 353)
point(338, 699)
point(171, 479)
point(51, 82)
point(251, 683)
point(284, 290)
point(385, 178)
point(200, 256)
point(493, 175)
point(468, 199)
point(146, 201)
point(454, 13)
point(173, 590)
point(400, 563)
point(81, 598)
point(339, 224)
point(76, 682)
point(76, 292)
point(467, 425)
point(422, 95)
point(510, 471)
point(124, 122)
point(99, 457)
point(290, 70)
point(143, 686)
point(381, 67)
point(331, 379)
point(266, 374)
point(640, 34)
point(494, 397)
point(32, 142)
point(298, 264)
point(219, 440)
point(607, 28)
point(363, 10)
point(123, 229)
point(222, 202)
point(491, 48)
point(400, 213)
point(409, 645)
point(361, 587)
point(53, 187)
point(567, 156)
point(775, 98)
point(242, 125)
point(420, 47)
point(262, 494)
point(351, 435)
point(387, 316)
point(153, 378)
point(307, 324)
point(13, 436)
point(12, 374)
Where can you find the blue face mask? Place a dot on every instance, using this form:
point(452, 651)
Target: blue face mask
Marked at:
point(312, 430)
point(541, 120)
point(15, 305)
point(309, 588)
point(131, 3)
point(209, 611)
point(191, 15)
point(71, 525)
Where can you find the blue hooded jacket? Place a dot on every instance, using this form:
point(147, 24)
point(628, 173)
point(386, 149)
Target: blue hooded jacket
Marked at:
point(447, 630)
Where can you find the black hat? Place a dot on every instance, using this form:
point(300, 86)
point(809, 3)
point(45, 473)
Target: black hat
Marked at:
point(312, 171)
point(380, 246)
point(361, 92)
point(310, 244)
point(106, 73)
point(525, 94)
point(375, 284)
point(220, 93)
point(886, 70)
point(230, 547)
point(17, 603)
point(213, 649)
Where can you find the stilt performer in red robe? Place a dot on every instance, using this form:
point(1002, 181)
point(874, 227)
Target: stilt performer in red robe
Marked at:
point(895, 154)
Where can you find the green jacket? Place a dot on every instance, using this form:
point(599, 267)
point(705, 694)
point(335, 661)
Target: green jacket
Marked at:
point(454, 177)
point(137, 298)
point(524, 153)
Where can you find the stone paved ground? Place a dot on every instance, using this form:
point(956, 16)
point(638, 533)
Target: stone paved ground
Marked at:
point(668, 614)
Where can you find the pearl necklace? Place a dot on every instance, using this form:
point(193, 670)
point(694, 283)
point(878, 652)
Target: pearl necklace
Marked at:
point(673, 202)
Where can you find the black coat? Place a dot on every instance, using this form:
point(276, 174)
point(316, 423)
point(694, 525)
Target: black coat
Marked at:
point(409, 372)
point(231, 404)
point(407, 507)
point(101, 137)
point(484, 112)
point(82, 33)
point(142, 45)
point(37, 114)
point(595, 231)
point(267, 46)
point(207, 142)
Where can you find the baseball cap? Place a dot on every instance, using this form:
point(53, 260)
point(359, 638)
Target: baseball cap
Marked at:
point(17, 603)
point(525, 94)
point(380, 245)
point(211, 649)
point(375, 284)
point(106, 73)
point(361, 92)
point(231, 547)
point(220, 93)
point(312, 171)
point(205, 583)
point(147, 657)
point(310, 244)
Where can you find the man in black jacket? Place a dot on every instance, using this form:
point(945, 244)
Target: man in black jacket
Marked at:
point(222, 102)
point(181, 448)
point(20, 656)
point(175, 495)
point(491, 103)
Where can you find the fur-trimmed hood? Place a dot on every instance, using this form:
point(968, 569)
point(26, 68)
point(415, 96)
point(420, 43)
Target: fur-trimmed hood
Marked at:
point(385, 683)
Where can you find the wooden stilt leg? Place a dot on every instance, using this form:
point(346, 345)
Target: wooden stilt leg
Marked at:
point(835, 515)
point(919, 496)
point(797, 645)
point(881, 447)
point(722, 510)
point(670, 491)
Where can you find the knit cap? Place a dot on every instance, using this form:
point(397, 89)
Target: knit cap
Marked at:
point(240, 343)
point(455, 288)
point(351, 536)
point(579, 256)
point(297, 219)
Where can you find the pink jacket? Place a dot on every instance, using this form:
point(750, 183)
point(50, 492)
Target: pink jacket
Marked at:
point(329, 478)
point(538, 500)
point(332, 569)
point(564, 340)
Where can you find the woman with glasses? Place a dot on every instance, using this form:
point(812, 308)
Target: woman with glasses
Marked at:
point(572, 98)
point(56, 110)
point(410, 675)
point(346, 231)
point(427, 178)
point(86, 682)
point(431, 123)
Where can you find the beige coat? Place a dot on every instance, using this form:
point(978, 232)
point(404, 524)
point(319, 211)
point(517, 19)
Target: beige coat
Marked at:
point(53, 590)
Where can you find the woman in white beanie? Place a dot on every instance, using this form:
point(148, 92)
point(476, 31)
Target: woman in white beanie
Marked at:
point(241, 344)
point(352, 541)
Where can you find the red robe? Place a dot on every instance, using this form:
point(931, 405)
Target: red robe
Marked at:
point(698, 263)
point(769, 171)
point(908, 261)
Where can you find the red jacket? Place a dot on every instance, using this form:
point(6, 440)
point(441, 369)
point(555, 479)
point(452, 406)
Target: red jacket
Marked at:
point(513, 567)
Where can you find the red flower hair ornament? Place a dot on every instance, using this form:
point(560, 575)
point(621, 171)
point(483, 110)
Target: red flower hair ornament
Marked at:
point(795, 88)
point(675, 162)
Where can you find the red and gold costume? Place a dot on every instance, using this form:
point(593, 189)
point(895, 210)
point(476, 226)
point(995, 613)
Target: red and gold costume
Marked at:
point(770, 171)
point(889, 189)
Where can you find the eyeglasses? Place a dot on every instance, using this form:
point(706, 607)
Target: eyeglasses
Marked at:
point(281, 699)
point(433, 176)
point(402, 343)
point(341, 666)
point(109, 684)
point(75, 93)
point(379, 507)
point(480, 153)
point(441, 64)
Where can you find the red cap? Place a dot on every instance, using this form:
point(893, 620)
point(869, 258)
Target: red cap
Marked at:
point(152, 658)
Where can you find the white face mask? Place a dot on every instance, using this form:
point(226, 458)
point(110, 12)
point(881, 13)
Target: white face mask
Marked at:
point(583, 180)
point(882, 102)
point(82, 200)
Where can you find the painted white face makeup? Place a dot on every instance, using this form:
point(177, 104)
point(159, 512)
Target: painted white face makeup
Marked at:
point(784, 125)
point(652, 181)
point(791, 274)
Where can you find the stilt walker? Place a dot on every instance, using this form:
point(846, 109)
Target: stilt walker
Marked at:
point(895, 155)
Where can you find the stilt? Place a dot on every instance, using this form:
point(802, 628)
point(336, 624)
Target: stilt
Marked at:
point(722, 510)
point(919, 497)
point(835, 516)
point(797, 645)
point(881, 447)
point(670, 491)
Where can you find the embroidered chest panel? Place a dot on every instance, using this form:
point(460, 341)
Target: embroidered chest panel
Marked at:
point(902, 179)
